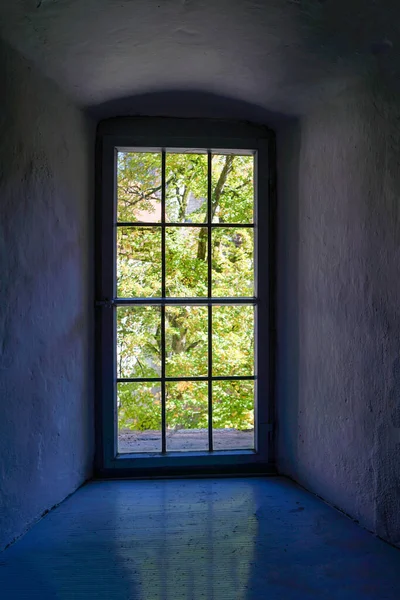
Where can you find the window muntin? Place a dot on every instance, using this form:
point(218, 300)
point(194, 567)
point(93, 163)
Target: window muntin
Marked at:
point(185, 267)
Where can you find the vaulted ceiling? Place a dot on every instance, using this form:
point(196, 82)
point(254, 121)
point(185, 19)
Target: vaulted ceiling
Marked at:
point(282, 56)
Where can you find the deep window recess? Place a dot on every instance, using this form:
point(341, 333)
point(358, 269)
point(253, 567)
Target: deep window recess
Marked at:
point(182, 327)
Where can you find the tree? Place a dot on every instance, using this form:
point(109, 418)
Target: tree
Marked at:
point(139, 275)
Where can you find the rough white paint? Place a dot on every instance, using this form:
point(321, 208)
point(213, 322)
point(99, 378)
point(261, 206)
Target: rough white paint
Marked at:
point(283, 55)
point(339, 320)
point(46, 374)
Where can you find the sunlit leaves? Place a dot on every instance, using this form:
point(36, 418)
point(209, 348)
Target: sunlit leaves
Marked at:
point(186, 273)
point(139, 406)
point(232, 188)
point(233, 340)
point(186, 190)
point(233, 404)
point(186, 341)
point(139, 186)
point(139, 341)
point(187, 406)
point(138, 262)
point(232, 262)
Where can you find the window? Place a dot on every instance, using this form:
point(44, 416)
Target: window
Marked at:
point(183, 297)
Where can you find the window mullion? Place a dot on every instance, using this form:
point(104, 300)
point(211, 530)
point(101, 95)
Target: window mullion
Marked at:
point(183, 300)
point(209, 282)
point(163, 293)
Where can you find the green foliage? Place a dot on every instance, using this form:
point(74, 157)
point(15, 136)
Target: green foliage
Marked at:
point(139, 406)
point(186, 273)
point(187, 405)
point(186, 178)
point(233, 404)
point(139, 275)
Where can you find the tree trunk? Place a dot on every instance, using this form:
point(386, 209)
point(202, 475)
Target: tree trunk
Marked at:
point(215, 198)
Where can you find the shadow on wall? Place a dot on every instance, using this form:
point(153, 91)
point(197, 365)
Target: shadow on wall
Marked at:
point(287, 296)
point(186, 103)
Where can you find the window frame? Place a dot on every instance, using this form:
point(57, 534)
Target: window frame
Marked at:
point(155, 133)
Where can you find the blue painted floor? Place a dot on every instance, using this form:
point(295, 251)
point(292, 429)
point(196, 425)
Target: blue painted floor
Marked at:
point(204, 539)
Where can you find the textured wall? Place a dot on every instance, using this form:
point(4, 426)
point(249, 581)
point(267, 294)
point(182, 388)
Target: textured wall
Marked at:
point(339, 320)
point(283, 55)
point(46, 446)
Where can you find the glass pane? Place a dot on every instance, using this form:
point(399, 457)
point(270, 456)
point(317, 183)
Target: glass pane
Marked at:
point(139, 417)
point(186, 341)
point(233, 340)
point(232, 188)
point(139, 186)
point(186, 261)
point(187, 415)
point(138, 341)
point(232, 262)
point(186, 188)
point(233, 415)
point(138, 262)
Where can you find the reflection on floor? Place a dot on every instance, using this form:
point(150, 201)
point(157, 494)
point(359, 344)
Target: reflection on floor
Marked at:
point(188, 440)
point(209, 539)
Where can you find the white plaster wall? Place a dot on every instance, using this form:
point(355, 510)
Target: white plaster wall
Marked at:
point(339, 297)
point(46, 374)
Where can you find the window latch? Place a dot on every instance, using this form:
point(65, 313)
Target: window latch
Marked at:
point(105, 303)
